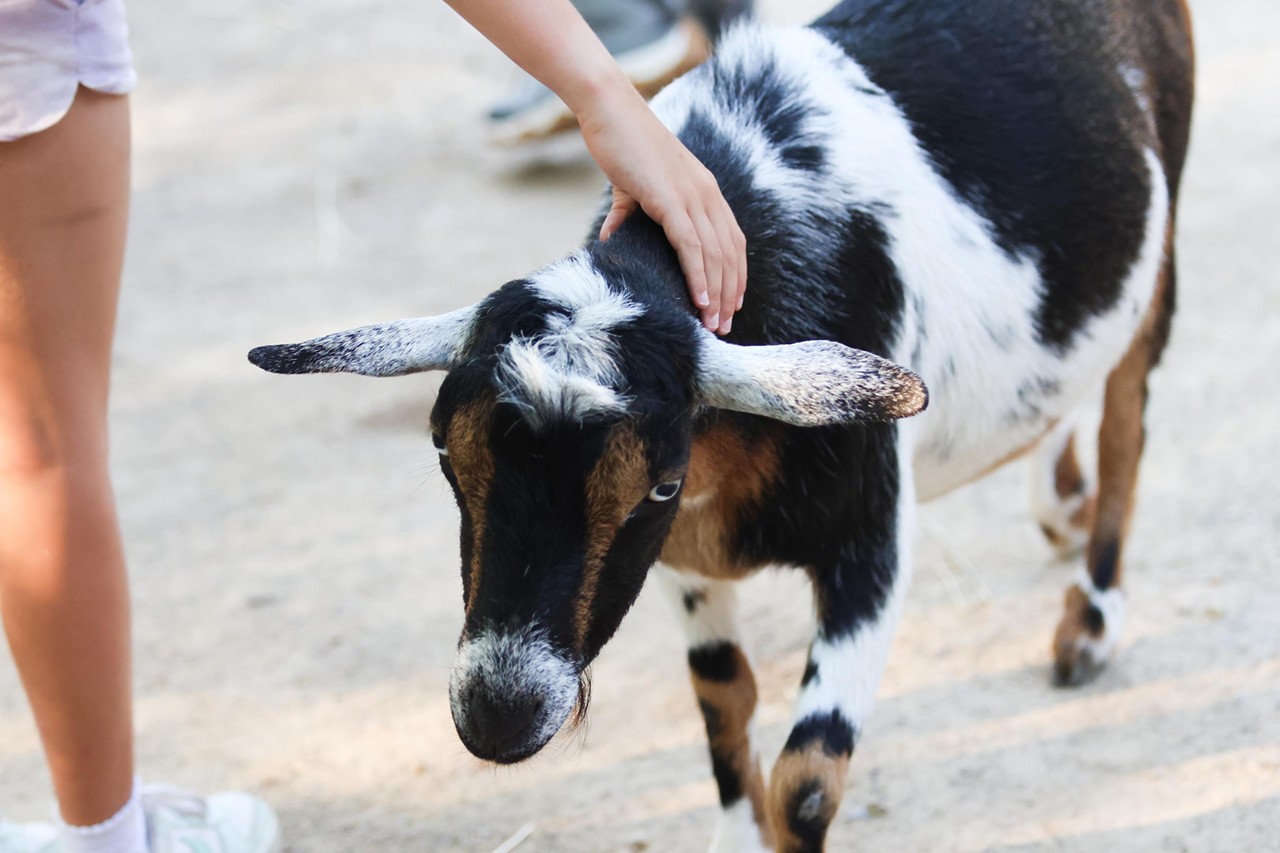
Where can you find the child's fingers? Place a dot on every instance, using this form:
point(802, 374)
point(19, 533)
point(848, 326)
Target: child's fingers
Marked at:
point(732, 265)
point(710, 257)
point(683, 235)
point(623, 206)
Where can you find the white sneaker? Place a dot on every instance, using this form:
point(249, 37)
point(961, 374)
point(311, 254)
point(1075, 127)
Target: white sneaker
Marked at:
point(177, 822)
point(29, 837)
point(230, 822)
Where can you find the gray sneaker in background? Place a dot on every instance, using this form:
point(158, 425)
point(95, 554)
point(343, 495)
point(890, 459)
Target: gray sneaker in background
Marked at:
point(653, 42)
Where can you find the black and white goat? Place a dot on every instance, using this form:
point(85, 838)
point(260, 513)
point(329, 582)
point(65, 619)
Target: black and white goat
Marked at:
point(982, 191)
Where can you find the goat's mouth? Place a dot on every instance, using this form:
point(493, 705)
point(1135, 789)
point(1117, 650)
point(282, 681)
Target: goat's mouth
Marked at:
point(509, 696)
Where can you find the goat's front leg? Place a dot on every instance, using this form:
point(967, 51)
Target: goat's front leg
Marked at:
point(726, 692)
point(859, 598)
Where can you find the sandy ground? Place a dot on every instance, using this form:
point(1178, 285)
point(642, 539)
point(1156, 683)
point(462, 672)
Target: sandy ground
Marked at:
point(303, 167)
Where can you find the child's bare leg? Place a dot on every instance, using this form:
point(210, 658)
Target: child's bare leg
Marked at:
point(63, 593)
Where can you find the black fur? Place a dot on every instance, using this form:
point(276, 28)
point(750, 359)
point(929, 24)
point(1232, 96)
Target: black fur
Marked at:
point(810, 673)
point(716, 662)
point(804, 820)
point(728, 783)
point(1105, 558)
point(834, 511)
point(1030, 121)
point(832, 731)
point(691, 600)
point(1094, 620)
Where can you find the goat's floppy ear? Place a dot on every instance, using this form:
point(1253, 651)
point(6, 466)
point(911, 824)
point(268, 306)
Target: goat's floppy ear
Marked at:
point(813, 383)
point(387, 349)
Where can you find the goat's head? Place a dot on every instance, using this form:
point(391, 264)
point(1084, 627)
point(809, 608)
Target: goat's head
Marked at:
point(564, 426)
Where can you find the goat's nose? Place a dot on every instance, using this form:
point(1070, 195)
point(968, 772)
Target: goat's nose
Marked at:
point(501, 728)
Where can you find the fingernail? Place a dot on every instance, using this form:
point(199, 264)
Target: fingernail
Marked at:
point(710, 323)
point(740, 298)
point(727, 326)
point(703, 300)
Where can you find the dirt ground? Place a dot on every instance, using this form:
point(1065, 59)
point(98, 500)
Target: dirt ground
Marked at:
point(304, 167)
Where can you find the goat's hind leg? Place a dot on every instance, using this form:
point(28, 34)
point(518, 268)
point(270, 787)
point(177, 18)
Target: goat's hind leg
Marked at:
point(1095, 604)
point(726, 692)
point(1063, 497)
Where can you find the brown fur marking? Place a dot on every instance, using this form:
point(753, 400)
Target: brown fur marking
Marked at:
point(734, 702)
point(793, 771)
point(1069, 482)
point(1122, 434)
point(472, 460)
point(726, 474)
point(618, 482)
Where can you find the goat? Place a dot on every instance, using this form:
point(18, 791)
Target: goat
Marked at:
point(977, 192)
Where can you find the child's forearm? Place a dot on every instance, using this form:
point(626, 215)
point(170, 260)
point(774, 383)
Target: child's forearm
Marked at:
point(647, 165)
point(551, 41)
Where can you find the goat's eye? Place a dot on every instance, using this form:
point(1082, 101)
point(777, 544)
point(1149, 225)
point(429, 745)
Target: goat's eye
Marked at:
point(439, 443)
point(665, 491)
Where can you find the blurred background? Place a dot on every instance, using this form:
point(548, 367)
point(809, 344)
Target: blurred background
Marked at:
point(305, 167)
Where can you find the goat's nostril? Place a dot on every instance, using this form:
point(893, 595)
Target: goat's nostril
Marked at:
point(499, 727)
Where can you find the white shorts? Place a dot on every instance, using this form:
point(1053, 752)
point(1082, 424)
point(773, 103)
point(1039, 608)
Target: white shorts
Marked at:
point(48, 48)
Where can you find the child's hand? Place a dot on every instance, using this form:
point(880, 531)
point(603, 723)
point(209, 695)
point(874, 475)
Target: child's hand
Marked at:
point(648, 166)
point(651, 168)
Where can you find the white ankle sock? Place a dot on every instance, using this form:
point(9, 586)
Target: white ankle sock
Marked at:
point(123, 832)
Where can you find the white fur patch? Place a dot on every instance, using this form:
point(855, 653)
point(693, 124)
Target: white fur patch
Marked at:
point(1111, 603)
point(568, 372)
point(737, 831)
point(1136, 79)
point(521, 663)
point(715, 615)
point(575, 284)
point(1047, 506)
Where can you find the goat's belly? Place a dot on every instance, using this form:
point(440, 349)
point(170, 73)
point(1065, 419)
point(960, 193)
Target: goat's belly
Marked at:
point(943, 466)
point(999, 402)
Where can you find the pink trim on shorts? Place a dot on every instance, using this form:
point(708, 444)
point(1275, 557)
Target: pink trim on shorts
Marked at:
point(48, 48)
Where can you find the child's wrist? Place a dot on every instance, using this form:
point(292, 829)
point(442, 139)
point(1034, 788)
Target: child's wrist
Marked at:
point(602, 92)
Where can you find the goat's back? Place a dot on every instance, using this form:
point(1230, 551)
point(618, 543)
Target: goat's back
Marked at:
point(978, 190)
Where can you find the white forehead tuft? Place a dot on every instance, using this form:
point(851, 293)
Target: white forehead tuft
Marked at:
point(530, 376)
point(569, 371)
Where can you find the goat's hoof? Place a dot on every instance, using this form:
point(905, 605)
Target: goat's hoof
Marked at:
point(1076, 670)
point(1087, 634)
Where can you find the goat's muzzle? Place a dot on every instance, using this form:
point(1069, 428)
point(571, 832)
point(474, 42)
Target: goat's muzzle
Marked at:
point(510, 693)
